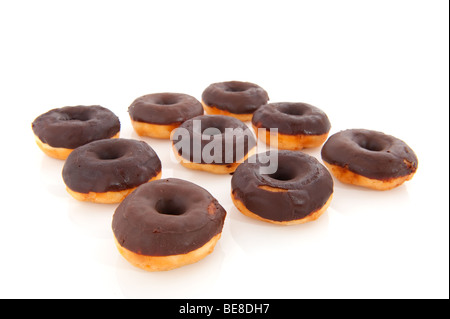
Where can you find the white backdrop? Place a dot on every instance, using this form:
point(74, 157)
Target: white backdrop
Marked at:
point(379, 65)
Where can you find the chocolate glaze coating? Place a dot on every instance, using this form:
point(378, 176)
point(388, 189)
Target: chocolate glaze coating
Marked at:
point(370, 153)
point(308, 186)
point(167, 217)
point(164, 108)
point(292, 118)
point(73, 126)
point(229, 146)
point(110, 165)
point(235, 97)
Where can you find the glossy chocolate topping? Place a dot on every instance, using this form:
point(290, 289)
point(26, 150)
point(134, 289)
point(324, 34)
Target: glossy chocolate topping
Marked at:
point(213, 139)
point(235, 97)
point(303, 186)
point(292, 118)
point(370, 153)
point(73, 126)
point(167, 217)
point(110, 165)
point(164, 108)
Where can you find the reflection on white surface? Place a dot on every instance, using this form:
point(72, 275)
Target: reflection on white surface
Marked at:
point(191, 281)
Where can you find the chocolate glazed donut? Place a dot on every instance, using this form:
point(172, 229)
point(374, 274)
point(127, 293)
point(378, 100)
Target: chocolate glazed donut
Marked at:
point(59, 131)
point(167, 224)
point(156, 115)
point(213, 143)
point(300, 190)
point(369, 158)
point(234, 98)
point(107, 171)
point(299, 125)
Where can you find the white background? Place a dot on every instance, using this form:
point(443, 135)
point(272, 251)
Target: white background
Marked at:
point(379, 65)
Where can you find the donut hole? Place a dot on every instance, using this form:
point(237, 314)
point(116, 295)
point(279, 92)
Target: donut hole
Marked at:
point(213, 128)
point(211, 131)
point(167, 100)
point(293, 109)
point(81, 116)
point(110, 154)
point(170, 207)
point(370, 145)
point(236, 87)
point(283, 174)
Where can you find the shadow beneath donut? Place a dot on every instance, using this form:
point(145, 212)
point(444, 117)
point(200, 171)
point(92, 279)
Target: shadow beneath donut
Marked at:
point(91, 218)
point(257, 237)
point(352, 199)
point(51, 176)
point(191, 281)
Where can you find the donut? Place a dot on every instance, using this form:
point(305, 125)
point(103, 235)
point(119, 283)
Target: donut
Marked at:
point(167, 224)
point(299, 125)
point(59, 131)
point(213, 143)
point(106, 171)
point(298, 191)
point(234, 98)
point(156, 115)
point(369, 158)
